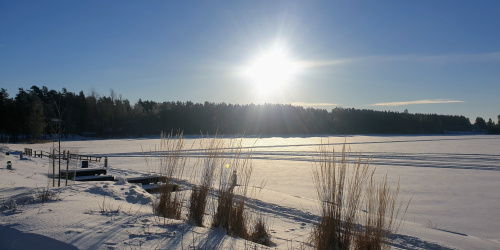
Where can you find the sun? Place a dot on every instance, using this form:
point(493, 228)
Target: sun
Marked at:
point(271, 69)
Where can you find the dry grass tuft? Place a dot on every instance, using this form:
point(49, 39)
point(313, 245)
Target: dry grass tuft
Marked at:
point(169, 159)
point(340, 196)
point(169, 204)
point(45, 194)
point(340, 185)
point(198, 203)
point(238, 220)
point(260, 233)
point(230, 164)
point(230, 212)
point(213, 159)
point(380, 221)
point(224, 207)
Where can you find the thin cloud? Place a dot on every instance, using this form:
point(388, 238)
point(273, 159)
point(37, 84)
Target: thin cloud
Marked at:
point(314, 64)
point(495, 56)
point(313, 104)
point(436, 101)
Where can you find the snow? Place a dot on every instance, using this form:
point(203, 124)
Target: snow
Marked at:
point(453, 182)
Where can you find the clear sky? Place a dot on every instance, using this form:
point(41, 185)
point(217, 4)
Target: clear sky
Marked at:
point(425, 56)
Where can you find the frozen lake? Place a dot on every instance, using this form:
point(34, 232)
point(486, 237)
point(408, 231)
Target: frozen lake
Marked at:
point(454, 181)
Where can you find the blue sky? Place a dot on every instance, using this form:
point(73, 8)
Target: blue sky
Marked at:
point(425, 56)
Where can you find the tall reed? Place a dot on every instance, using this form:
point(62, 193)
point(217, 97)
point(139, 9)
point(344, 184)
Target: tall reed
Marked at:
point(212, 159)
point(230, 212)
point(339, 186)
point(381, 219)
point(169, 159)
point(344, 188)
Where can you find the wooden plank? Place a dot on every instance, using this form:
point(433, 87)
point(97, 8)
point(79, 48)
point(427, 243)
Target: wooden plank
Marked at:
point(95, 178)
point(83, 172)
point(147, 179)
point(155, 188)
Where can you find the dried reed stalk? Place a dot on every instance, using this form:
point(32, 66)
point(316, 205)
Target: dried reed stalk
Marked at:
point(344, 188)
point(339, 186)
point(169, 160)
point(230, 212)
point(212, 159)
point(381, 220)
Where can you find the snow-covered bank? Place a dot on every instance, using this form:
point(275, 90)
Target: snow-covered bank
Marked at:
point(453, 181)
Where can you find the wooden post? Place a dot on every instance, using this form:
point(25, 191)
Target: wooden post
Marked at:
point(53, 167)
point(59, 177)
point(67, 167)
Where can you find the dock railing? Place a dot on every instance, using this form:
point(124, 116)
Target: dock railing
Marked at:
point(64, 155)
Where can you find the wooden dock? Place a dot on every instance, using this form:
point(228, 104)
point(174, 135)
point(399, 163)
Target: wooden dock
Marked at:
point(152, 183)
point(145, 180)
point(155, 188)
point(63, 155)
point(95, 178)
point(72, 173)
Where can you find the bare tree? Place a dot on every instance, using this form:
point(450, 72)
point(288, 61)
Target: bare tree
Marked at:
point(56, 127)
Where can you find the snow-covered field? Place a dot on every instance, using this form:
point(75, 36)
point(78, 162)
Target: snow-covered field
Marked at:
point(454, 183)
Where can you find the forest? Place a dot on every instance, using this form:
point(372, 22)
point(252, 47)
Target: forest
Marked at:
point(36, 112)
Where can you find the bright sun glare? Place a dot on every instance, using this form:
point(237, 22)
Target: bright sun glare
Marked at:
point(271, 69)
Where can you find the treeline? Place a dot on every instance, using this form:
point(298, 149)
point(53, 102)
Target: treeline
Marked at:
point(38, 111)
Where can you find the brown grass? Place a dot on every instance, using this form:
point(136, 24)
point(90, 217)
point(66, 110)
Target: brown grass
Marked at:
point(224, 207)
point(230, 213)
point(169, 159)
point(169, 204)
point(238, 220)
point(380, 221)
point(212, 160)
point(230, 164)
point(260, 233)
point(340, 185)
point(340, 196)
